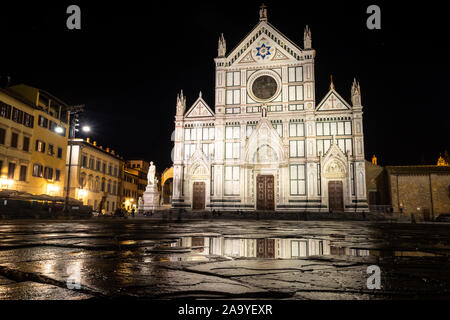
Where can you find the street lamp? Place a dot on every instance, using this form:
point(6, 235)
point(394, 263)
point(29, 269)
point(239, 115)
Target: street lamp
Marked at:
point(59, 129)
point(74, 123)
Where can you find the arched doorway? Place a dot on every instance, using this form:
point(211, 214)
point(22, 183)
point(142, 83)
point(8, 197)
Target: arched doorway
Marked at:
point(167, 191)
point(335, 176)
point(167, 185)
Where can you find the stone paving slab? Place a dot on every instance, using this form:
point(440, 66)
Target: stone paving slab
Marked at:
point(38, 291)
point(140, 259)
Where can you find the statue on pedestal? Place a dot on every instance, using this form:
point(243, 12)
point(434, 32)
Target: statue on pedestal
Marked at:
point(151, 174)
point(140, 203)
point(151, 195)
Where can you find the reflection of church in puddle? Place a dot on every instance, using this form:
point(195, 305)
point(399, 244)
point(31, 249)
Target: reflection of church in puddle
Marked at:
point(275, 248)
point(270, 248)
point(267, 145)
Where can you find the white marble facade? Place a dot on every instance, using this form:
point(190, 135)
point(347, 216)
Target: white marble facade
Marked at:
point(266, 122)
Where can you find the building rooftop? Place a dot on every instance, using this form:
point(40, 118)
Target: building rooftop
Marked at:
point(18, 97)
point(426, 169)
point(94, 145)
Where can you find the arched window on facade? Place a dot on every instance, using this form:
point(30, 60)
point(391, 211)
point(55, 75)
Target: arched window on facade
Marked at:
point(82, 180)
point(91, 182)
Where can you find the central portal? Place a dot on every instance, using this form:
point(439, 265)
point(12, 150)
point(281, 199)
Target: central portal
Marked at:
point(335, 196)
point(265, 192)
point(198, 202)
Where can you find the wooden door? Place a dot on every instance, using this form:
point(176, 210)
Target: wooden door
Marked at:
point(265, 248)
point(265, 196)
point(335, 196)
point(198, 242)
point(198, 202)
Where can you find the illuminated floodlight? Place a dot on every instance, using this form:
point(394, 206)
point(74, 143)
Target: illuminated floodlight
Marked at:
point(59, 129)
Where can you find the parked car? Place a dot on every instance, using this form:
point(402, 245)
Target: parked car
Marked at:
point(443, 218)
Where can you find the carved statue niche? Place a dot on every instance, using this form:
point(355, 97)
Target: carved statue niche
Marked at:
point(335, 170)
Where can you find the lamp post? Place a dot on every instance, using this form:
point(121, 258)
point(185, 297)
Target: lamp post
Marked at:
point(74, 123)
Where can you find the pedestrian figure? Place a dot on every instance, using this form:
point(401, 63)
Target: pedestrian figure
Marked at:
point(413, 219)
point(132, 212)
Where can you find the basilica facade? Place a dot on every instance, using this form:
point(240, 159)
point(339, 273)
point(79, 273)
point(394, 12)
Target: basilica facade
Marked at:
point(267, 144)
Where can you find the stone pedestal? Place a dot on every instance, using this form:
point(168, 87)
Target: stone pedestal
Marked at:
point(151, 198)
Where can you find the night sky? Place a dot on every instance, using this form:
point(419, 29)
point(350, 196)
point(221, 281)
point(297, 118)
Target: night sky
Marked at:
point(129, 61)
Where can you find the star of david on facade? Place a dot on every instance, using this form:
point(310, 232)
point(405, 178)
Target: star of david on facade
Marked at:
point(263, 51)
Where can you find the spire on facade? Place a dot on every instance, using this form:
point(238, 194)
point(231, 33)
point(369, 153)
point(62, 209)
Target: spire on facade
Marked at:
point(222, 48)
point(356, 93)
point(331, 82)
point(263, 12)
point(441, 161)
point(181, 104)
point(200, 94)
point(374, 160)
point(307, 40)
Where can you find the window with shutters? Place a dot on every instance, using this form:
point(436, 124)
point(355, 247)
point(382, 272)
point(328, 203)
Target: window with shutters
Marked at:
point(11, 170)
point(23, 173)
point(14, 140)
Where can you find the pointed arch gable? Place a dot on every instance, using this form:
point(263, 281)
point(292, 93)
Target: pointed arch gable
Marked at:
point(197, 160)
point(264, 135)
point(334, 157)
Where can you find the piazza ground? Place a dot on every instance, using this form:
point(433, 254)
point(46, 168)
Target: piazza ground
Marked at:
point(143, 258)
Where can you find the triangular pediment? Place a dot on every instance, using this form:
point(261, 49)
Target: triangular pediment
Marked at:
point(199, 109)
point(264, 44)
point(333, 101)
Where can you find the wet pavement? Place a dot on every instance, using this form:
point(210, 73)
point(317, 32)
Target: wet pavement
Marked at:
point(225, 259)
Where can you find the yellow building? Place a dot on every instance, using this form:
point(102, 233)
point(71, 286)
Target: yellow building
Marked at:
point(138, 168)
point(95, 175)
point(130, 188)
point(140, 165)
point(33, 140)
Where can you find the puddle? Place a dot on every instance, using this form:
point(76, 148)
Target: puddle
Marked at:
point(202, 248)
